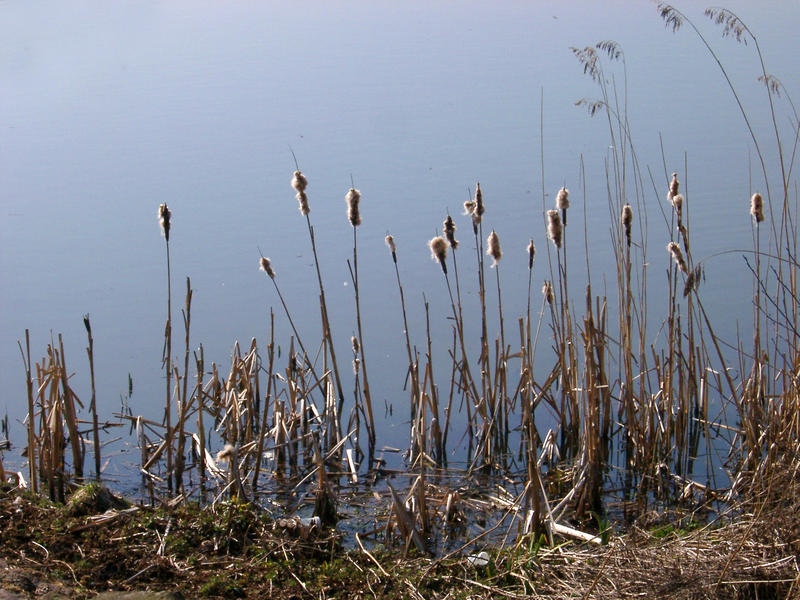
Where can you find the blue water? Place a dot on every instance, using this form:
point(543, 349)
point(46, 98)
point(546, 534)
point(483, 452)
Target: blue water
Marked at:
point(108, 110)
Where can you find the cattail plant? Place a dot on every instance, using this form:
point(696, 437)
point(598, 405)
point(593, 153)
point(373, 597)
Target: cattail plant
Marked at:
point(352, 198)
point(299, 183)
point(478, 208)
point(438, 247)
point(757, 208)
point(462, 366)
point(493, 248)
point(413, 363)
point(389, 240)
point(531, 250)
point(265, 264)
point(676, 254)
point(164, 219)
point(562, 203)
point(677, 203)
point(554, 229)
point(450, 232)
point(547, 292)
point(757, 213)
point(674, 186)
point(627, 220)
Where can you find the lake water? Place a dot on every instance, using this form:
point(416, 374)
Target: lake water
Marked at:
point(109, 109)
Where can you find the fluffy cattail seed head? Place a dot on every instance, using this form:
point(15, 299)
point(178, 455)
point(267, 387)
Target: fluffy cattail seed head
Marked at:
point(265, 265)
point(164, 216)
point(677, 202)
point(469, 206)
point(299, 181)
point(547, 292)
point(354, 344)
point(531, 254)
point(674, 186)
point(352, 198)
point(562, 199)
point(493, 247)
point(450, 232)
point(302, 198)
point(389, 239)
point(554, 229)
point(677, 256)
point(627, 221)
point(227, 453)
point(479, 207)
point(438, 247)
point(757, 207)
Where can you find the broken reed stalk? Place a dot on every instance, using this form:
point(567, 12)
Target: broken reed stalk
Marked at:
point(164, 218)
point(353, 198)
point(71, 415)
point(93, 402)
point(183, 401)
point(201, 431)
point(268, 398)
point(435, 438)
point(33, 448)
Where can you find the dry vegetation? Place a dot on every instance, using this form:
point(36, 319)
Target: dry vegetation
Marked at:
point(631, 415)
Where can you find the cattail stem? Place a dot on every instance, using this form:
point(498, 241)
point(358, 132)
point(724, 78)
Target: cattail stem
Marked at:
point(167, 363)
point(325, 322)
point(365, 380)
point(413, 367)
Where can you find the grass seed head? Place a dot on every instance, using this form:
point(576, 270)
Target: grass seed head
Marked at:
point(554, 228)
point(531, 254)
point(265, 265)
point(164, 216)
point(352, 198)
point(677, 256)
point(299, 181)
point(493, 247)
point(757, 207)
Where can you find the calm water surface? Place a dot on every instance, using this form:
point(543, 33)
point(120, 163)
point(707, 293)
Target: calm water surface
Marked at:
point(108, 109)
